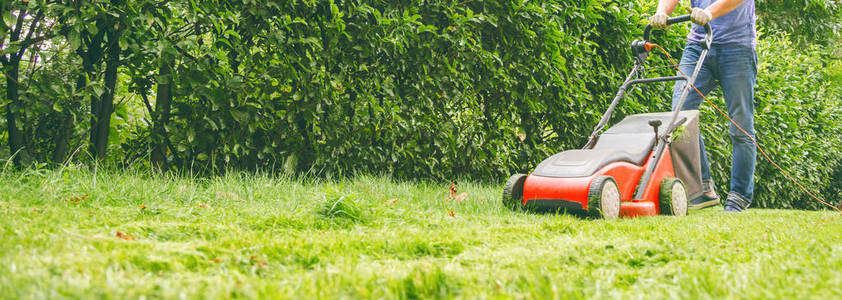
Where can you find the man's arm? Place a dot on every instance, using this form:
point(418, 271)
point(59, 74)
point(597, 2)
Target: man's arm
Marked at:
point(721, 7)
point(717, 9)
point(667, 6)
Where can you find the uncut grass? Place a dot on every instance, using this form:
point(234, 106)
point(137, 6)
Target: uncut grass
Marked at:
point(265, 236)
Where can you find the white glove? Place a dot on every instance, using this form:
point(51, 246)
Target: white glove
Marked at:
point(659, 20)
point(700, 16)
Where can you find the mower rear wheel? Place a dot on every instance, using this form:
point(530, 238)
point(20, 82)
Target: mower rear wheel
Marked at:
point(673, 197)
point(604, 198)
point(513, 192)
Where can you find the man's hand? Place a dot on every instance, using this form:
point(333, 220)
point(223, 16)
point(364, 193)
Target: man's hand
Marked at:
point(659, 20)
point(700, 16)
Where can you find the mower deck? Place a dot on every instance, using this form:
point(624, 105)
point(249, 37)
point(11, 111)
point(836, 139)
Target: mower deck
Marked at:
point(565, 181)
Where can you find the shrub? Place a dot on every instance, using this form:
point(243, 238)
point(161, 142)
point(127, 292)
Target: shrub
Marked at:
point(429, 90)
point(807, 21)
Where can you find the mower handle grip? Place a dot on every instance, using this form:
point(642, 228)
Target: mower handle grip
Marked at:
point(685, 18)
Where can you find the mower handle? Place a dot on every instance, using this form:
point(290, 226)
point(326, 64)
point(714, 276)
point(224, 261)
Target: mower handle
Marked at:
point(685, 18)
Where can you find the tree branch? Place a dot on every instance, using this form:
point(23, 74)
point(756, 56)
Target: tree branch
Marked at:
point(32, 28)
point(18, 26)
point(148, 105)
point(33, 67)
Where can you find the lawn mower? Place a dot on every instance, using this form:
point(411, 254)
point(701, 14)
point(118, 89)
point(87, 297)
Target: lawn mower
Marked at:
point(635, 168)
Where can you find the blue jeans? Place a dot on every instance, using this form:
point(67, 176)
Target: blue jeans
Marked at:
point(734, 69)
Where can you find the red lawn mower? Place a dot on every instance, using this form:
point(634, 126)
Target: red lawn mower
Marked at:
point(635, 168)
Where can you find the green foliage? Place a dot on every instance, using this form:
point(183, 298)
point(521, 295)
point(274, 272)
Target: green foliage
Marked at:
point(834, 68)
point(52, 100)
point(437, 90)
point(807, 21)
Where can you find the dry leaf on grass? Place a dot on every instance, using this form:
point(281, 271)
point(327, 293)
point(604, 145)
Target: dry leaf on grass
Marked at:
point(451, 213)
point(203, 205)
point(123, 235)
point(393, 200)
point(259, 262)
point(453, 190)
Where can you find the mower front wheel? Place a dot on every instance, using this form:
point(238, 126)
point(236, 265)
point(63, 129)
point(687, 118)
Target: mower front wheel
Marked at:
point(604, 198)
point(513, 192)
point(673, 197)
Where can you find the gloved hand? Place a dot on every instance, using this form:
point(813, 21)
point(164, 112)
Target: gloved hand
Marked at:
point(659, 21)
point(700, 16)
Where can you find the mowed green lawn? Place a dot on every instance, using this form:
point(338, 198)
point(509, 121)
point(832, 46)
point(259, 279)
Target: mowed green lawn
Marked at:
point(70, 233)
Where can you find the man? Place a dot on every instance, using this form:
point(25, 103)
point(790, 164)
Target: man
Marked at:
point(732, 65)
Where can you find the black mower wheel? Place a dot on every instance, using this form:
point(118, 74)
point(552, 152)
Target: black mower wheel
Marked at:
point(673, 197)
point(513, 192)
point(604, 198)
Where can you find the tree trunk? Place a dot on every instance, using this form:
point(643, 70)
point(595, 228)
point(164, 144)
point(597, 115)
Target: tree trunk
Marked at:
point(91, 59)
point(62, 139)
point(11, 66)
point(163, 99)
point(103, 107)
point(16, 141)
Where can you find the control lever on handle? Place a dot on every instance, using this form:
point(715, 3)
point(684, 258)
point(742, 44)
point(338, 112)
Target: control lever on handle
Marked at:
point(655, 124)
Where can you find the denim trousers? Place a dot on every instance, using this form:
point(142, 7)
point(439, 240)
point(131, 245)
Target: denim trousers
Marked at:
point(733, 68)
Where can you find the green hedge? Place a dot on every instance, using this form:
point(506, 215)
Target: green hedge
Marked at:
point(414, 89)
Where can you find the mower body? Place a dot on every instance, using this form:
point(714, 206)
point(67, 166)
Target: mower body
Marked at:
point(563, 182)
